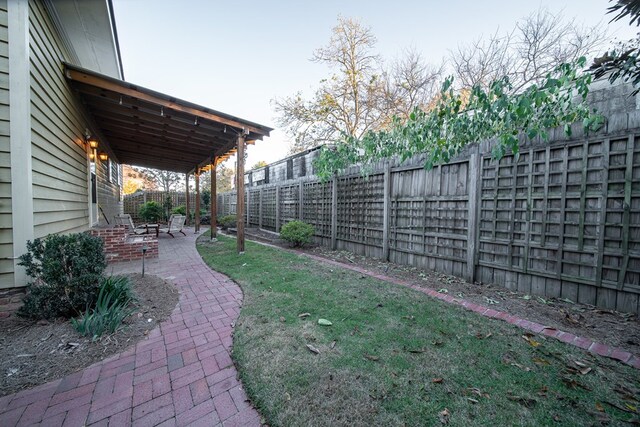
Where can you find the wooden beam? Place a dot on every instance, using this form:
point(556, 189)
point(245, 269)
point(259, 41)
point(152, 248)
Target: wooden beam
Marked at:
point(240, 195)
point(214, 200)
point(197, 216)
point(118, 87)
point(186, 202)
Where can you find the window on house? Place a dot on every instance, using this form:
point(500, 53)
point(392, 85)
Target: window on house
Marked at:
point(114, 176)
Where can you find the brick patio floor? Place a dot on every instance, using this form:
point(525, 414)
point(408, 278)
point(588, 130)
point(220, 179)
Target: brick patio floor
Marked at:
point(182, 374)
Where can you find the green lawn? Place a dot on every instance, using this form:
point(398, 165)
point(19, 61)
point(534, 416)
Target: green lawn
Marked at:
point(394, 356)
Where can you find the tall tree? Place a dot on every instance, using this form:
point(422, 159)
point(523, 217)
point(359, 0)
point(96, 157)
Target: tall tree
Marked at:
point(526, 54)
point(134, 180)
point(259, 164)
point(621, 62)
point(165, 180)
point(359, 95)
point(224, 179)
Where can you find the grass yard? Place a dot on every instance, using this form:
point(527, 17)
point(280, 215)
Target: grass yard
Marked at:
point(396, 357)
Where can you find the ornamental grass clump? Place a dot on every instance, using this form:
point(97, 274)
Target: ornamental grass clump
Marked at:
point(297, 233)
point(111, 309)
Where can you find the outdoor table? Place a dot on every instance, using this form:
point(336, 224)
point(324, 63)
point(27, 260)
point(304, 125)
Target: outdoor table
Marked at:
point(151, 227)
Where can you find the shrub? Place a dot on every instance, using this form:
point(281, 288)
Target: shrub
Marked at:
point(297, 233)
point(112, 307)
point(179, 210)
point(205, 219)
point(66, 271)
point(227, 221)
point(151, 212)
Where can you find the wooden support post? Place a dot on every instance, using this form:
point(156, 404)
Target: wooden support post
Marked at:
point(186, 203)
point(473, 186)
point(197, 215)
point(240, 194)
point(300, 200)
point(334, 214)
point(386, 210)
point(214, 201)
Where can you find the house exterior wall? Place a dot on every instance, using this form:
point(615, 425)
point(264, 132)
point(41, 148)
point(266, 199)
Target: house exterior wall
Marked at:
point(59, 157)
point(6, 233)
point(52, 124)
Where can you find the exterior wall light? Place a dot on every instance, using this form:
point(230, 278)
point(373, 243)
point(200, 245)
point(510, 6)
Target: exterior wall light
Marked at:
point(93, 143)
point(92, 157)
point(103, 157)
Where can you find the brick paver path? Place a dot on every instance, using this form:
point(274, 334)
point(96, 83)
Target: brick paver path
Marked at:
point(181, 375)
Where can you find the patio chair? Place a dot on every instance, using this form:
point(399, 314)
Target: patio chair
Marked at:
point(125, 219)
point(176, 222)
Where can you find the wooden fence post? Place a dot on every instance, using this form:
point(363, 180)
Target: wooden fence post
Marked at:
point(260, 210)
point(248, 207)
point(334, 213)
point(277, 208)
point(474, 182)
point(300, 200)
point(386, 206)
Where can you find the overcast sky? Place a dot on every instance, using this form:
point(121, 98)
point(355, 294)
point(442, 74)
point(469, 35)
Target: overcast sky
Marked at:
point(236, 56)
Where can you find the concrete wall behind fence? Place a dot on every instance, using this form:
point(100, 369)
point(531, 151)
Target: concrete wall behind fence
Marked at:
point(562, 219)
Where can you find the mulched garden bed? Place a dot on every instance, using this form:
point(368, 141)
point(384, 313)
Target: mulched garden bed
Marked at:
point(33, 353)
point(604, 326)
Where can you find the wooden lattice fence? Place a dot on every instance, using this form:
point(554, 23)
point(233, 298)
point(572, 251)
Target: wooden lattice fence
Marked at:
point(133, 202)
point(562, 219)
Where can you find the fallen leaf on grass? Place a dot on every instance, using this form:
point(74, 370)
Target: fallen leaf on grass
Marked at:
point(324, 322)
point(543, 391)
point(478, 392)
point(481, 336)
point(437, 380)
point(472, 400)
point(282, 319)
point(371, 357)
point(333, 344)
point(443, 291)
point(530, 340)
point(313, 349)
point(541, 361)
point(408, 317)
point(622, 408)
point(571, 383)
point(437, 343)
point(599, 407)
point(417, 350)
point(444, 416)
point(287, 396)
point(626, 393)
point(303, 315)
point(525, 401)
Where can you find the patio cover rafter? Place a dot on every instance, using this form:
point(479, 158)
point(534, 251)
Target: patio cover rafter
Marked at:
point(152, 129)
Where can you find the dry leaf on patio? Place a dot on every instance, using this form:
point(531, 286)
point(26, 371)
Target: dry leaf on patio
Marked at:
point(313, 349)
point(437, 380)
point(304, 315)
point(444, 416)
point(371, 357)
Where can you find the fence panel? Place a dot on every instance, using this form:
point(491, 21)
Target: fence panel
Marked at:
point(561, 219)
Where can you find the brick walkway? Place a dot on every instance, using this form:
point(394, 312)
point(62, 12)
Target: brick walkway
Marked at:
point(181, 375)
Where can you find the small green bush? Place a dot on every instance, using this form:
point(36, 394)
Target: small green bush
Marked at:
point(179, 210)
point(227, 221)
point(151, 212)
point(297, 233)
point(66, 271)
point(112, 307)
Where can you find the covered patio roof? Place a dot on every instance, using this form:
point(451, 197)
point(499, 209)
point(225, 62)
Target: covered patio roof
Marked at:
point(152, 129)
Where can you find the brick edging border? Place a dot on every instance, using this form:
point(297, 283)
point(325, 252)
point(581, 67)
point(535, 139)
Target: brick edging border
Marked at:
point(591, 346)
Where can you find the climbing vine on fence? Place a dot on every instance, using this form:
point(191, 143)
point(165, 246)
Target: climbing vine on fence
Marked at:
point(462, 118)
